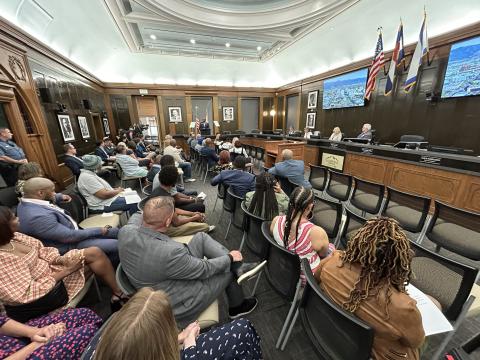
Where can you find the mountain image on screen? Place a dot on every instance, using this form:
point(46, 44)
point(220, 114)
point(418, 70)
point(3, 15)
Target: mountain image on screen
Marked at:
point(462, 77)
point(345, 90)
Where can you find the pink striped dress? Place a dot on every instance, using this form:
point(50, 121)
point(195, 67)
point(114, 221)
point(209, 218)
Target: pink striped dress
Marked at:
point(303, 248)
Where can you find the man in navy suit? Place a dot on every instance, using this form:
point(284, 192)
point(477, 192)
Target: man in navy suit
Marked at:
point(238, 179)
point(102, 152)
point(55, 227)
point(205, 127)
point(291, 169)
point(208, 151)
point(74, 163)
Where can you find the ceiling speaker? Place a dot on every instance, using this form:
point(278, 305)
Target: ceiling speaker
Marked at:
point(87, 104)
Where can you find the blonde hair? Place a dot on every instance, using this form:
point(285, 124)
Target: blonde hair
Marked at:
point(144, 329)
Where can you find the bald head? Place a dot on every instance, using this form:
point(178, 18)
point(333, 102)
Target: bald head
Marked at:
point(173, 142)
point(158, 212)
point(39, 188)
point(287, 154)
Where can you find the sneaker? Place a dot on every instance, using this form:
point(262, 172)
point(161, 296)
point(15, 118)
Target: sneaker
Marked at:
point(245, 308)
point(190, 180)
point(211, 228)
point(248, 270)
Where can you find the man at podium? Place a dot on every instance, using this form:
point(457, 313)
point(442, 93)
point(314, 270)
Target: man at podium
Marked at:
point(204, 127)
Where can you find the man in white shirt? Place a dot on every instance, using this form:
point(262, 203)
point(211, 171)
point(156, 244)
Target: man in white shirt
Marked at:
point(173, 151)
point(100, 195)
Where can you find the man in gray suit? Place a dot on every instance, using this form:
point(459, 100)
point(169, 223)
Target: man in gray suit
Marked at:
point(150, 258)
point(366, 132)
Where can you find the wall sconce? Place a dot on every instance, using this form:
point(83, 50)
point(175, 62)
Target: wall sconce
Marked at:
point(61, 107)
point(272, 112)
point(265, 113)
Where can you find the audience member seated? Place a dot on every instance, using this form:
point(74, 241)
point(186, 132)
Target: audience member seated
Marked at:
point(366, 132)
point(71, 160)
point(54, 227)
point(30, 170)
point(296, 233)
point(11, 156)
point(368, 279)
point(167, 160)
point(103, 153)
point(100, 196)
point(35, 280)
point(237, 179)
point(199, 143)
point(291, 169)
point(151, 258)
point(57, 336)
point(268, 200)
point(176, 153)
point(141, 148)
point(191, 137)
point(209, 152)
point(166, 141)
point(155, 168)
point(227, 144)
point(132, 152)
point(224, 162)
point(109, 146)
point(129, 165)
point(307, 133)
point(218, 140)
point(236, 150)
point(185, 222)
point(148, 319)
point(336, 134)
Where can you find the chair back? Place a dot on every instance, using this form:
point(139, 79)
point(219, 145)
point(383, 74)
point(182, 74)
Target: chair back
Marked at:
point(409, 210)
point(254, 239)
point(283, 268)
point(8, 197)
point(318, 177)
point(328, 215)
point(259, 153)
point(455, 230)
point(236, 201)
point(221, 191)
point(339, 185)
point(411, 138)
point(253, 152)
point(123, 282)
point(228, 202)
point(203, 162)
point(74, 207)
point(334, 332)
point(367, 196)
point(286, 185)
point(456, 282)
point(352, 223)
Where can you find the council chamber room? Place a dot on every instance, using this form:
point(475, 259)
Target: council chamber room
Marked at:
point(251, 179)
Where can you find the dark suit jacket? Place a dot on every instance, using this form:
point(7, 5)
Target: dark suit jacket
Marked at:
point(102, 153)
point(204, 126)
point(365, 135)
point(211, 155)
point(241, 182)
point(73, 164)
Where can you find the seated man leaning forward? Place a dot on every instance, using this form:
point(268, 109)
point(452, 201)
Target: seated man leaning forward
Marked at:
point(238, 179)
point(150, 258)
point(100, 196)
point(185, 222)
point(292, 169)
point(47, 222)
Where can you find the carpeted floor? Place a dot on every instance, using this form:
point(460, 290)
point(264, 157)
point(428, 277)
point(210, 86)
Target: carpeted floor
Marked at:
point(269, 316)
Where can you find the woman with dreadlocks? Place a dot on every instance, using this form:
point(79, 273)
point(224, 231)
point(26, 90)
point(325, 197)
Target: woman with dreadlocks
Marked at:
point(268, 200)
point(296, 233)
point(369, 279)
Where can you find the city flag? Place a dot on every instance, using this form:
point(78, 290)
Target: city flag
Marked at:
point(197, 123)
point(398, 57)
point(420, 51)
point(377, 63)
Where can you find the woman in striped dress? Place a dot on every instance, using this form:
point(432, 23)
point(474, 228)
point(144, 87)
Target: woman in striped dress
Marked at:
point(296, 233)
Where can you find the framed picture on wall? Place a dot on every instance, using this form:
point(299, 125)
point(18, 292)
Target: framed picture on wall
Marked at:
point(106, 127)
point(175, 114)
point(82, 123)
point(227, 113)
point(312, 99)
point(311, 120)
point(66, 127)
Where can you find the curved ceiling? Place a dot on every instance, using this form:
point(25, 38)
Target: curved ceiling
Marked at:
point(113, 39)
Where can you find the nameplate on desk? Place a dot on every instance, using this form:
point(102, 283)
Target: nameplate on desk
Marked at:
point(333, 161)
point(430, 160)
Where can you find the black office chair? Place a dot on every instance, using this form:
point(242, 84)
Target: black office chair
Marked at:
point(328, 215)
point(286, 185)
point(339, 185)
point(8, 197)
point(334, 332)
point(409, 210)
point(448, 281)
point(367, 196)
point(233, 204)
point(260, 155)
point(221, 191)
point(352, 223)
point(283, 275)
point(318, 177)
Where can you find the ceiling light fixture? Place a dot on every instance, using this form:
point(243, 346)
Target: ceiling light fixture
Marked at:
point(153, 37)
point(259, 48)
point(227, 45)
point(192, 41)
point(272, 112)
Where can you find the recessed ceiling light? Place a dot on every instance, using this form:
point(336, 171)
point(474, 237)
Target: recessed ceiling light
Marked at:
point(192, 41)
point(278, 49)
point(227, 44)
point(153, 37)
point(259, 48)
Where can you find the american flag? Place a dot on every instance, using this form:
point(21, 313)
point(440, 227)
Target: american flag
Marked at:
point(377, 63)
point(197, 123)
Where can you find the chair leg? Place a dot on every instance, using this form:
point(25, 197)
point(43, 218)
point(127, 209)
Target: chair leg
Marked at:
point(289, 332)
point(228, 229)
point(215, 204)
point(221, 215)
point(289, 315)
point(97, 289)
point(206, 173)
point(256, 284)
point(243, 240)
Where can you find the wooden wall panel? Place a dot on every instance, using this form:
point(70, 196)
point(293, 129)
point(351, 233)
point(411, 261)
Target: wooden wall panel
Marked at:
point(175, 128)
point(311, 155)
point(230, 102)
point(121, 115)
point(366, 168)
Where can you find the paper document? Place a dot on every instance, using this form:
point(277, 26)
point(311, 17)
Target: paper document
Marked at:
point(202, 195)
point(434, 322)
point(127, 192)
point(132, 199)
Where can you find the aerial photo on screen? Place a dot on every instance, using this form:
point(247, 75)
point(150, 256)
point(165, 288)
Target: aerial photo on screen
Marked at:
point(345, 90)
point(462, 77)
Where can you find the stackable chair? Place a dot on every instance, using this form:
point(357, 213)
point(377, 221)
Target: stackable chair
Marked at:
point(123, 178)
point(221, 191)
point(339, 186)
point(352, 222)
point(233, 204)
point(367, 196)
point(328, 215)
point(318, 178)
